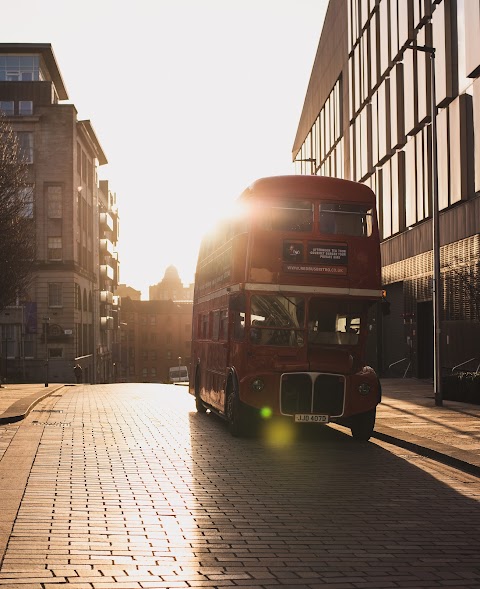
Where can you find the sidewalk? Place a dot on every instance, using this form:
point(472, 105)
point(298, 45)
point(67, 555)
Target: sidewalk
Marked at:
point(407, 417)
point(17, 400)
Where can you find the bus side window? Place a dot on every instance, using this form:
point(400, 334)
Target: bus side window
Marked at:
point(237, 306)
point(238, 325)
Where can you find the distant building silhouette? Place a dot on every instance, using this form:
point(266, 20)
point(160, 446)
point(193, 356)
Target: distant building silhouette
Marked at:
point(123, 290)
point(171, 288)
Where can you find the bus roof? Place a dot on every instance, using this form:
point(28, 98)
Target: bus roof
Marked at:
point(299, 186)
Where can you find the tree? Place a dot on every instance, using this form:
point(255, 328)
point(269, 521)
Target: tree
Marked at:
point(17, 231)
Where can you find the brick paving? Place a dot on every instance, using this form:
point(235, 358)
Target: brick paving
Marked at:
point(126, 486)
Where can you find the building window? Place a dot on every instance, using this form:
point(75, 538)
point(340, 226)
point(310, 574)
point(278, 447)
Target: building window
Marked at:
point(25, 107)
point(55, 352)
point(20, 68)
point(26, 195)
point(54, 202)
point(25, 143)
point(55, 294)
point(7, 107)
point(144, 373)
point(55, 251)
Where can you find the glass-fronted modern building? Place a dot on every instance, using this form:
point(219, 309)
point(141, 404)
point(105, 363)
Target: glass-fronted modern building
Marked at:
point(367, 117)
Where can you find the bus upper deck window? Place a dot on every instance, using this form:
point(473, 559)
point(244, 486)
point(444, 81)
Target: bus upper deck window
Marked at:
point(288, 215)
point(345, 219)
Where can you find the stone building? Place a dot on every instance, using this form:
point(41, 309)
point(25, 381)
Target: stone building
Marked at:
point(170, 288)
point(154, 335)
point(367, 117)
point(68, 315)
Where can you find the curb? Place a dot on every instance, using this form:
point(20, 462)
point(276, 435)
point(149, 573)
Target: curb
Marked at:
point(460, 459)
point(22, 407)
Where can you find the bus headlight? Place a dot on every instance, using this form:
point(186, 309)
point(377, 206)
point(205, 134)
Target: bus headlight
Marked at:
point(258, 385)
point(364, 388)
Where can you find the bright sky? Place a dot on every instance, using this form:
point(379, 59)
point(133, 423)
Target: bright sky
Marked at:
point(191, 101)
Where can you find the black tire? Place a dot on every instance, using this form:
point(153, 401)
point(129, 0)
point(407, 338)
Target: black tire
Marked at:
point(362, 425)
point(199, 405)
point(235, 413)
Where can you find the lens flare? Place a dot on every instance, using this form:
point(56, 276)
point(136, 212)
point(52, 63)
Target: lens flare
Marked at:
point(265, 413)
point(279, 433)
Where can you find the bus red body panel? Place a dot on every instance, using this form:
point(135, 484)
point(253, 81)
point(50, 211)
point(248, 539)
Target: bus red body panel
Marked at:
point(282, 295)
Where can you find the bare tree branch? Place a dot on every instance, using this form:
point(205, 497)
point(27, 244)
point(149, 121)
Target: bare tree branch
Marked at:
point(17, 229)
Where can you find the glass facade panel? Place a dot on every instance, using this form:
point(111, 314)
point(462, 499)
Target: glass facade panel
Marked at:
point(373, 51)
point(443, 157)
point(410, 183)
point(472, 38)
point(476, 125)
point(420, 171)
point(384, 36)
point(405, 22)
point(383, 119)
point(386, 201)
point(446, 62)
point(397, 108)
point(398, 191)
point(423, 80)
point(409, 86)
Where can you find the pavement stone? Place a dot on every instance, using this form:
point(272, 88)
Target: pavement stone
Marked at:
point(407, 417)
point(126, 493)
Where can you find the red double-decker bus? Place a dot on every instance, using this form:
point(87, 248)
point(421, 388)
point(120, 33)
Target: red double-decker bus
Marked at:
point(282, 293)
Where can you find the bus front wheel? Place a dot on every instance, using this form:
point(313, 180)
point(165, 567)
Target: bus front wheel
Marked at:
point(362, 425)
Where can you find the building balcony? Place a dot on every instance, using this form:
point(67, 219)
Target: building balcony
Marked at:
point(107, 271)
point(106, 297)
point(106, 247)
point(116, 301)
point(106, 323)
point(106, 222)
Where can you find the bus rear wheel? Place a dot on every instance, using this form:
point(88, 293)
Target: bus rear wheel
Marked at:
point(235, 414)
point(200, 407)
point(362, 425)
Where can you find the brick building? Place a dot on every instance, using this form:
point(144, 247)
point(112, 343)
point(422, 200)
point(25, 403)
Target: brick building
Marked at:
point(367, 117)
point(154, 335)
point(68, 315)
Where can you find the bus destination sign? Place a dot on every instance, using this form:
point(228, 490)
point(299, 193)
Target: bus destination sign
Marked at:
point(324, 253)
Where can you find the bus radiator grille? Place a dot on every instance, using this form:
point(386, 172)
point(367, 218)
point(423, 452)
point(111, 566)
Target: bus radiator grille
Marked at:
point(312, 393)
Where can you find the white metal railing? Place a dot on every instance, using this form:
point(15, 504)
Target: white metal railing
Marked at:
point(399, 362)
point(466, 362)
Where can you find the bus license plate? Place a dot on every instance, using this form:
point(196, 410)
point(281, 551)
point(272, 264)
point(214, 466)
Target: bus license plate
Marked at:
point(310, 418)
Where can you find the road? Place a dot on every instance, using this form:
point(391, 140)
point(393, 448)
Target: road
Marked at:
point(126, 486)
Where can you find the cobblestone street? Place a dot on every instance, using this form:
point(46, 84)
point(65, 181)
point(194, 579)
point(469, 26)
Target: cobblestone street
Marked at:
point(131, 488)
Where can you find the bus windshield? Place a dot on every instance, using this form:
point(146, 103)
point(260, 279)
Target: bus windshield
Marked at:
point(277, 320)
point(334, 322)
point(345, 219)
point(286, 215)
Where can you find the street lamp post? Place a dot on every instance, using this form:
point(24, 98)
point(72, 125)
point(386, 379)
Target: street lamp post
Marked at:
point(436, 290)
point(46, 321)
point(127, 358)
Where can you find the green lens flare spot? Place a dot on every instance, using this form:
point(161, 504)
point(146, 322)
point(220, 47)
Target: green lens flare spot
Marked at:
point(266, 412)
